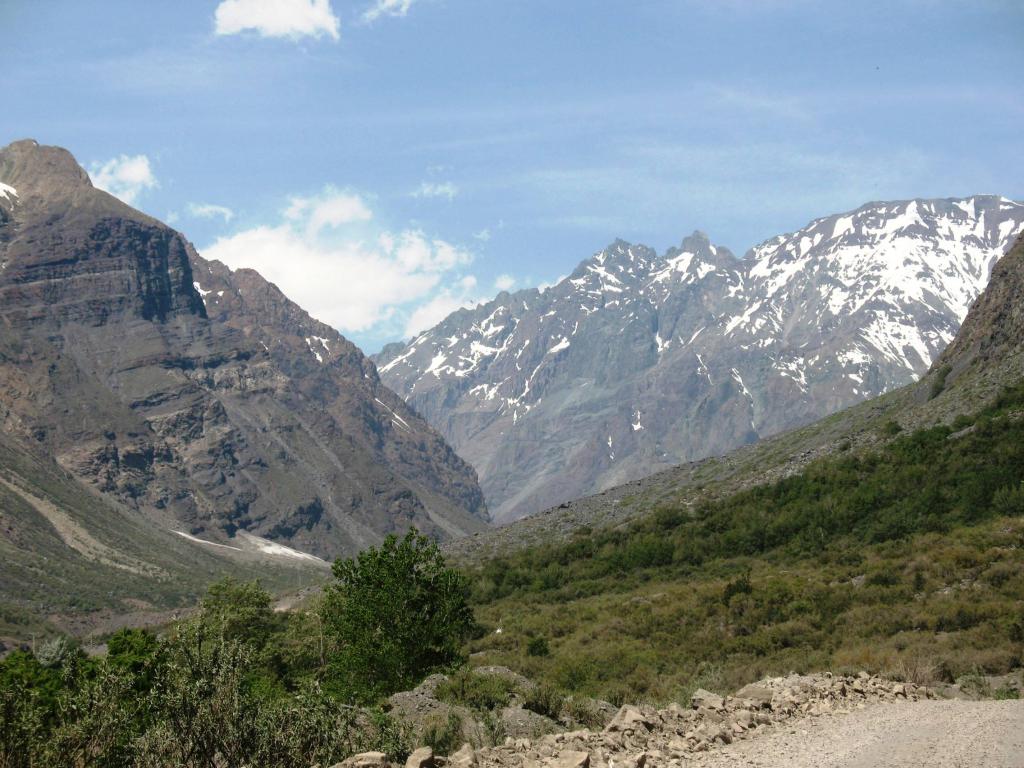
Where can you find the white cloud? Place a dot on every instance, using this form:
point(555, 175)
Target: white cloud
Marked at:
point(442, 189)
point(330, 210)
point(210, 211)
point(124, 177)
point(483, 235)
point(277, 18)
point(442, 304)
point(505, 283)
point(328, 254)
point(387, 8)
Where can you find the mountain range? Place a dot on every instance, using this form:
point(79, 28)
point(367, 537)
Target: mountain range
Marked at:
point(639, 361)
point(165, 419)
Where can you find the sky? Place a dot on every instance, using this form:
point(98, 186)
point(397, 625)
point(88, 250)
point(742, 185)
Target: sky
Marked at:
point(387, 161)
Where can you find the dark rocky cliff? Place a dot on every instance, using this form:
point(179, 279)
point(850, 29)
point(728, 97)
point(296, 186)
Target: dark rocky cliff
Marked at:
point(203, 398)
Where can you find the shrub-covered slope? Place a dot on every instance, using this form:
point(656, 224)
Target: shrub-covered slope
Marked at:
point(908, 560)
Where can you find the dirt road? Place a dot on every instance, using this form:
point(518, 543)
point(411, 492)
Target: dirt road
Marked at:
point(932, 734)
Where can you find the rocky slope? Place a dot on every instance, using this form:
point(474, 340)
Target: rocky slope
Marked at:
point(640, 361)
point(773, 722)
point(201, 398)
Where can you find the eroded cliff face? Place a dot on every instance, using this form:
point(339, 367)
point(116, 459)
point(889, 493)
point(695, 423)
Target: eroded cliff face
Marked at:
point(201, 397)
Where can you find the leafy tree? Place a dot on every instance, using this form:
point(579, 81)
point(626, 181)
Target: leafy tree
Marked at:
point(396, 613)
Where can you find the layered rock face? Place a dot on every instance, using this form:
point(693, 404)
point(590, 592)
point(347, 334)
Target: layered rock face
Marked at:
point(201, 397)
point(639, 361)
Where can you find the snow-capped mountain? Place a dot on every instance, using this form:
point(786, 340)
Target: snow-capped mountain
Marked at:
point(638, 361)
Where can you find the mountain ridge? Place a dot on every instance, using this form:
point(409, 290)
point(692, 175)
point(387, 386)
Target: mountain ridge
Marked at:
point(961, 381)
point(638, 361)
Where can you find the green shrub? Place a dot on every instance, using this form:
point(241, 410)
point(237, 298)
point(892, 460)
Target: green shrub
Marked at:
point(238, 610)
point(544, 699)
point(479, 692)
point(1009, 501)
point(939, 382)
point(538, 646)
point(443, 735)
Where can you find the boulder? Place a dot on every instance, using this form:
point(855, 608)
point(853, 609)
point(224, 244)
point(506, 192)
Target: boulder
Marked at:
point(464, 758)
point(628, 718)
point(758, 695)
point(520, 723)
point(702, 698)
point(421, 758)
point(745, 718)
point(366, 760)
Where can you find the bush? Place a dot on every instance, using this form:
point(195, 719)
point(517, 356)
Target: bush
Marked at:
point(1009, 501)
point(189, 699)
point(396, 614)
point(939, 382)
point(583, 712)
point(546, 700)
point(892, 428)
point(443, 735)
point(238, 610)
point(538, 646)
point(481, 693)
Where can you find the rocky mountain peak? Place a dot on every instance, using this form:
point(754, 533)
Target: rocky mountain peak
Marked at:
point(48, 183)
point(200, 397)
point(40, 169)
point(640, 360)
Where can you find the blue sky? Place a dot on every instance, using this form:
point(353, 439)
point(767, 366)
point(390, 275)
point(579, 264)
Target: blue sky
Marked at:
point(385, 161)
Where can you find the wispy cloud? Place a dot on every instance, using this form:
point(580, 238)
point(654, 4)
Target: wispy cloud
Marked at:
point(504, 283)
point(444, 189)
point(210, 211)
point(381, 8)
point(292, 19)
point(125, 177)
point(327, 253)
point(484, 235)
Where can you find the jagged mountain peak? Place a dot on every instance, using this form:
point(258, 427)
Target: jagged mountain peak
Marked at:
point(640, 360)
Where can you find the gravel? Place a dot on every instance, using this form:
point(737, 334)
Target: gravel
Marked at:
point(936, 734)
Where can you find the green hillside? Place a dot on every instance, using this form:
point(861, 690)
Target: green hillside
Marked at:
point(908, 559)
point(72, 562)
